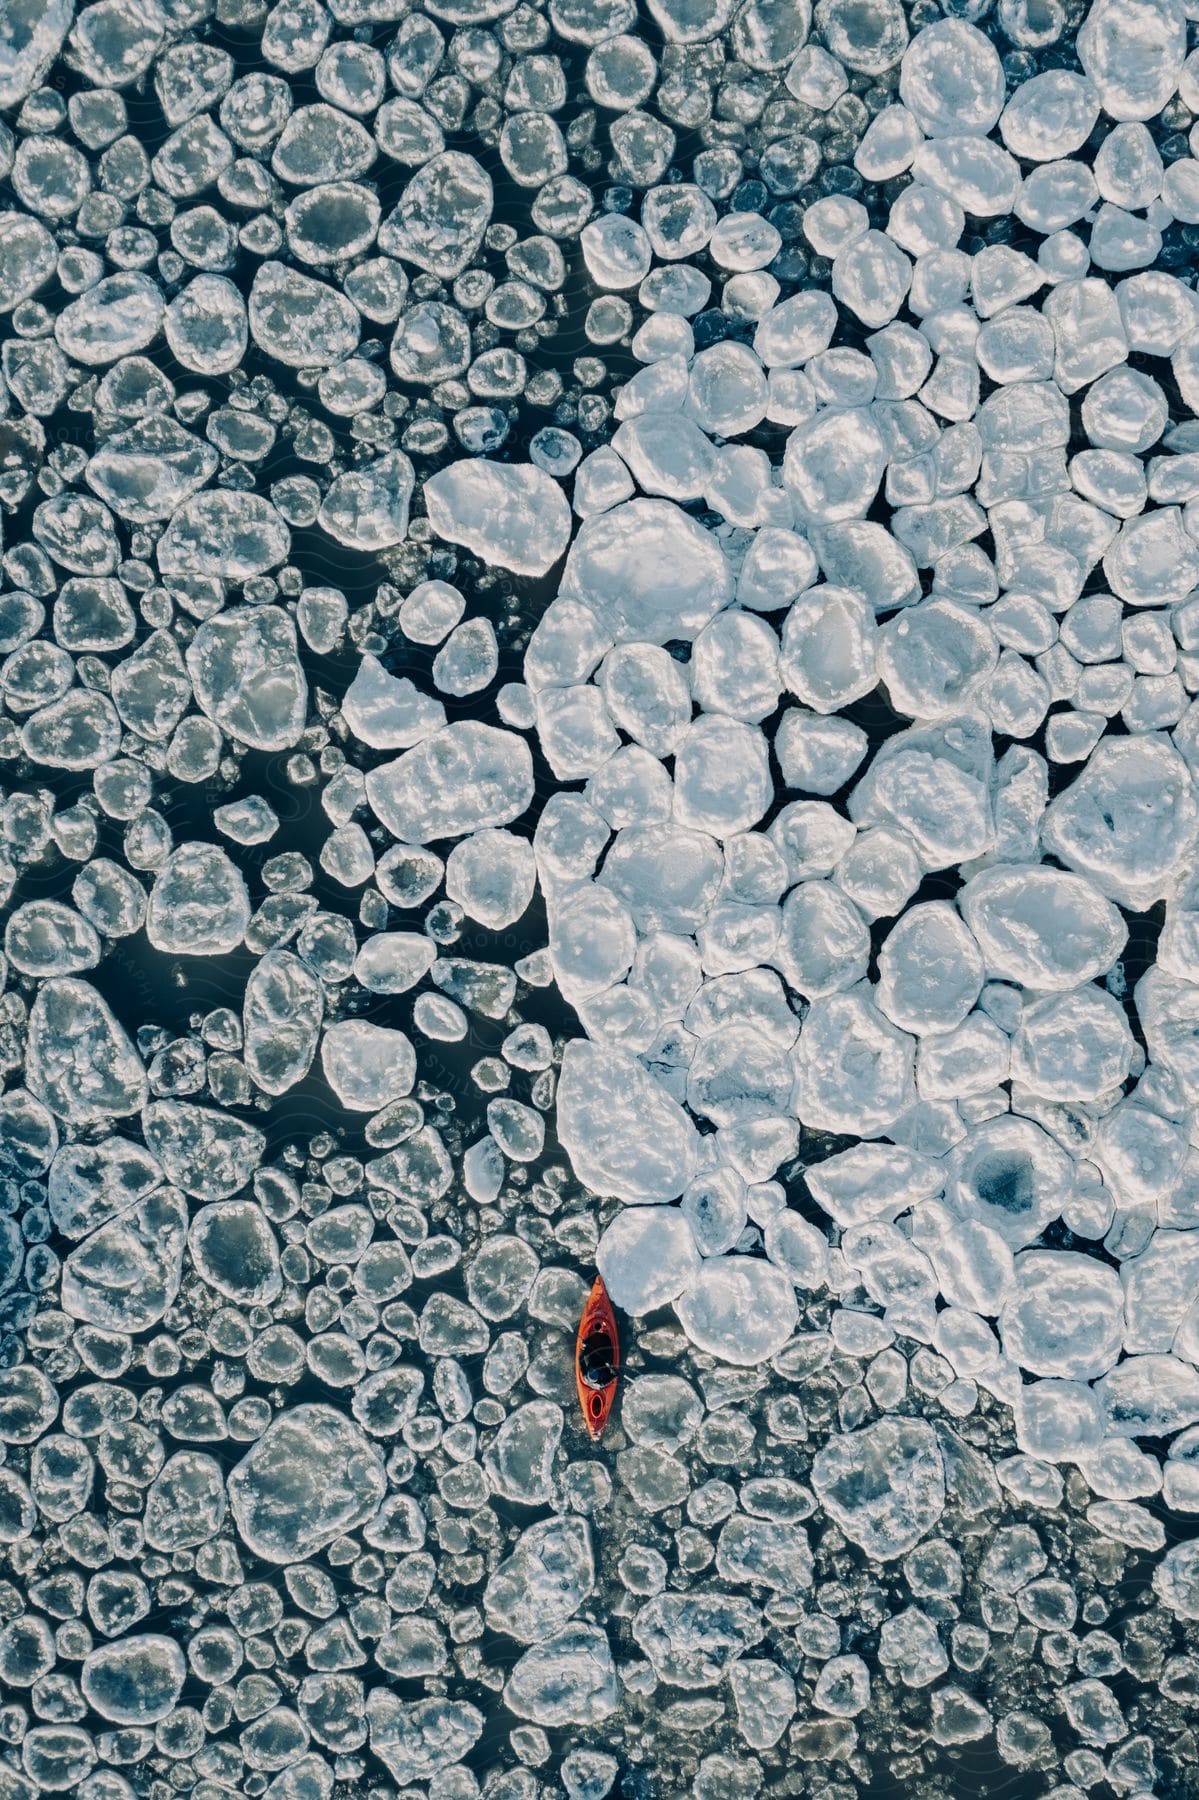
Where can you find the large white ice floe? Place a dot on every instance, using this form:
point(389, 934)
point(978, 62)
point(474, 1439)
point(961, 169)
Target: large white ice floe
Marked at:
point(625, 1134)
point(514, 516)
point(457, 780)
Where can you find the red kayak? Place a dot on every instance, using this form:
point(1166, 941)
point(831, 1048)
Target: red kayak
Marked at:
point(597, 1359)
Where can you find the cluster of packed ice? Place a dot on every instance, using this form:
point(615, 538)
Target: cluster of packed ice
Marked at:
point(807, 701)
point(922, 948)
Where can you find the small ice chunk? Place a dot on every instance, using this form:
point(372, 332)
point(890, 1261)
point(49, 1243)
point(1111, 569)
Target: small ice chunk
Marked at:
point(543, 1582)
point(391, 962)
point(442, 215)
point(33, 37)
point(764, 1696)
point(1176, 1579)
point(934, 657)
point(873, 1181)
point(974, 1058)
point(29, 254)
point(44, 938)
point(888, 144)
point(248, 821)
point(367, 508)
point(817, 754)
point(300, 322)
point(367, 1066)
point(727, 390)
point(861, 555)
point(321, 616)
point(1158, 1289)
point(1050, 115)
point(116, 318)
point(1128, 822)
point(744, 241)
point(570, 1679)
point(825, 945)
point(812, 837)
point(795, 330)
point(389, 712)
point(667, 453)
point(1041, 927)
point(282, 1014)
point(88, 1183)
point(798, 1249)
point(501, 1275)
point(592, 941)
point(311, 1477)
point(974, 1263)
point(134, 1680)
point(667, 877)
point(1089, 335)
point(209, 1154)
point(884, 1485)
point(853, 1068)
point(1133, 52)
point(127, 1273)
point(199, 905)
point(734, 667)
point(465, 777)
point(1065, 1316)
point(1141, 1154)
point(1153, 559)
point(650, 572)
point(1058, 1421)
point(616, 251)
point(247, 674)
point(880, 871)
point(519, 1463)
point(622, 1131)
point(1149, 1397)
point(930, 970)
point(722, 782)
point(774, 1552)
point(567, 843)
point(737, 1074)
point(234, 1252)
point(739, 1309)
point(601, 482)
point(833, 465)
point(951, 79)
point(778, 566)
point(416, 1739)
point(1009, 1174)
point(510, 514)
point(647, 696)
point(492, 875)
point(80, 1062)
point(829, 648)
point(647, 1257)
point(691, 1638)
point(431, 611)
point(1073, 1046)
point(910, 1648)
point(871, 277)
point(233, 535)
